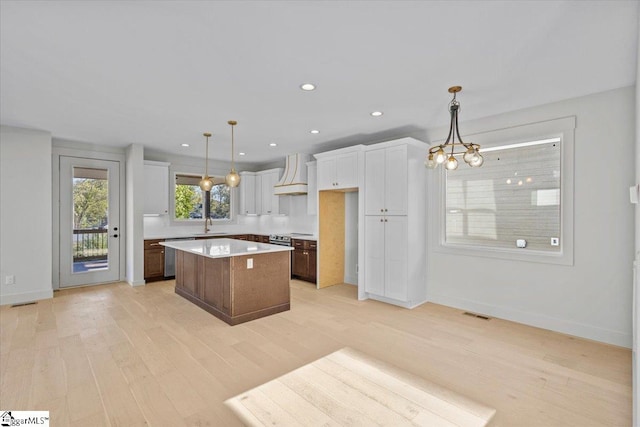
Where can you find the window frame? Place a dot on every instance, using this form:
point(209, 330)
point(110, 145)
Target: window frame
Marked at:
point(562, 127)
point(184, 221)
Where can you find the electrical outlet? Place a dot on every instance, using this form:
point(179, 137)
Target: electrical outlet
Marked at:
point(249, 263)
point(10, 280)
point(555, 241)
point(521, 243)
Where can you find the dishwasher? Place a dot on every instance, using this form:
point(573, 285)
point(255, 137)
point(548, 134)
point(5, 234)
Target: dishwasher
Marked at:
point(170, 259)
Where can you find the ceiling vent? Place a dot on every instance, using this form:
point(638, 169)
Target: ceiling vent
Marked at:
point(294, 178)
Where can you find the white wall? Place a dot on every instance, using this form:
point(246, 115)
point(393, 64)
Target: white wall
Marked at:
point(134, 214)
point(351, 238)
point(636, 299)
point(591, 298)
point(25, 215)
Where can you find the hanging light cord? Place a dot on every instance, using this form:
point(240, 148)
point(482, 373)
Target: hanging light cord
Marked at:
point(232, 151)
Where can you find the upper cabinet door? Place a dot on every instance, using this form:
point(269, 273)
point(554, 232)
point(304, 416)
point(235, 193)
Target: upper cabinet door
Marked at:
point(386, 175)
point(374, 165)
point(347, 170)
point(156, 188)
point(326, 173)
point(395, 181)
point(247, 194)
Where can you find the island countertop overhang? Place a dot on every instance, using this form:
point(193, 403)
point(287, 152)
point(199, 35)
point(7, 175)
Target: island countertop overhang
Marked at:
point(223, 248)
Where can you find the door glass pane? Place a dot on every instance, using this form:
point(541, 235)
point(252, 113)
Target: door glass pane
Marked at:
point(90, 219)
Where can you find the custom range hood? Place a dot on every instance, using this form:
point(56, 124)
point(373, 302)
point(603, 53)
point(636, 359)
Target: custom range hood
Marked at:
point(294, 178)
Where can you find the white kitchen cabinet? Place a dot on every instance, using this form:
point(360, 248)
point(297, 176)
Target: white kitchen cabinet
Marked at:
point(270, 202)
point(156, 188)
point(247, 194)
point(394, 217)
point(256, 192)
point(338, 169)
point(312, 188)
point(386, 181)
point(386, 257)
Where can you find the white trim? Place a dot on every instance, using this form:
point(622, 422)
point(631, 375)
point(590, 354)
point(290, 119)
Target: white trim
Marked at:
point(533, 319)
point(56, 153)
point(565, 127)
point(26, 297)
point(136, 283)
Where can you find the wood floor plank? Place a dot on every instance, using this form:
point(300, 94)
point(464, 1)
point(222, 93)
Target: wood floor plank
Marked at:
point(120, 339)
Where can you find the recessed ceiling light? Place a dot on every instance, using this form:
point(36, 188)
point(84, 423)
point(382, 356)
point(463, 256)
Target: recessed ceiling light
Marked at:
point(241, 153)
point(184, 145)
point(307, 86)
point(273, 144)
point(314, 131)
point(377, 113)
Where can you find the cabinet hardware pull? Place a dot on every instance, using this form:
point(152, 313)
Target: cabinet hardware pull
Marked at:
point(386, 209)
point(385, 220)
point(155, 244)
point(380, 219)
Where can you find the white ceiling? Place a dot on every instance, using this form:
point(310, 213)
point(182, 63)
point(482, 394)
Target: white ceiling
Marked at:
point(161, 73)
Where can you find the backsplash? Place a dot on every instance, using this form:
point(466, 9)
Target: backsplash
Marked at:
point(296, 221)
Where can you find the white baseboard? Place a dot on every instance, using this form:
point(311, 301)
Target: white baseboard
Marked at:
point(26, 297)
point(405, 304)
point(351, 280)
point(135, 283)
point(533, 319)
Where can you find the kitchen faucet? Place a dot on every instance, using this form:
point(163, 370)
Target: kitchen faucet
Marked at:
point(207, 221)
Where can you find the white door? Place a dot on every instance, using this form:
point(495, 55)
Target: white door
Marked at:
point(374, 177)
point(396, 181)
point(89, 221)
point(347, 170)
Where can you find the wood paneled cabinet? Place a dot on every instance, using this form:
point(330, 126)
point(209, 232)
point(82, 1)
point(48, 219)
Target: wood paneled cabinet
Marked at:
point(156, 188)
point(386, 179)
point(337, 172)
point(153, 260)
point(303, 260)
point(395, 234)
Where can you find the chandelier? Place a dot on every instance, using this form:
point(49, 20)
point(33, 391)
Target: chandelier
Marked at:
point(232, 179)
point(446, 152)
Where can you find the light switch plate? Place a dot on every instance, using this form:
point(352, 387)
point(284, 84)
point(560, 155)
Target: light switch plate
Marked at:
point(521, 243)
point(249, 263)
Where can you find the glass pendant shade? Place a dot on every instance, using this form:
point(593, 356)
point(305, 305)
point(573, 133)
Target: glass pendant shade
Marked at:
point(430, 162)
point(470, 155)
point(452, 164)
point(440, 156)
point(478, 161)
point(232, 179)
point(206, 183)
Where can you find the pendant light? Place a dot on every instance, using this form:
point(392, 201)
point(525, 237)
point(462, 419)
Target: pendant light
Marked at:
point(445, 153)
point(206, 183)
point(232, 179)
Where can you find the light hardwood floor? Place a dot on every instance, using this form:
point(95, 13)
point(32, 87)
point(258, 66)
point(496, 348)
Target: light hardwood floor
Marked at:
point(122, 356)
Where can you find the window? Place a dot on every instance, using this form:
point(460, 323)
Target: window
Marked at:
point(524, 191)
point(190, 202)
point(513, 197)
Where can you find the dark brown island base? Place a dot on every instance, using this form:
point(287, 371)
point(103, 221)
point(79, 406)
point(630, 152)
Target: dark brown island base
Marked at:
point(235, 280)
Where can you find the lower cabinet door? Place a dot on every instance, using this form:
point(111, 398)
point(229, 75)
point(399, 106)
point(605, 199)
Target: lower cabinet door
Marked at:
point(395, 265)
point(153, 263)
point(299, 265)
point(374, 253)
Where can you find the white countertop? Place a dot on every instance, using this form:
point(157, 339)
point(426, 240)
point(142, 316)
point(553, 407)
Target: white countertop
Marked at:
point(183, 235)
point(223, 248)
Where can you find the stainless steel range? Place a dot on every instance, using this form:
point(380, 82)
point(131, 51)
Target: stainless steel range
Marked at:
point(280, 239)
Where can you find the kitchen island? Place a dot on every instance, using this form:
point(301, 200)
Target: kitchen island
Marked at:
point(235, 280)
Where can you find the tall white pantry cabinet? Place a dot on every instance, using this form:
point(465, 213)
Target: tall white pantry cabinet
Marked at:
point(395, 217)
